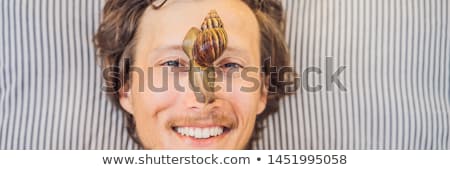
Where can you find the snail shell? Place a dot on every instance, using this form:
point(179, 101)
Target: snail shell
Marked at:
point(211, 41)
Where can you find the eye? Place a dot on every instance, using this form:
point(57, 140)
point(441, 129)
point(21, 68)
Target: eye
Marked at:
point(171, 63)
point(231, 66)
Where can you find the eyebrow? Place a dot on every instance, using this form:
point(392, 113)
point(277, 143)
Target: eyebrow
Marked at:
point(234, 50)
point(229, 49)
point(169, 47)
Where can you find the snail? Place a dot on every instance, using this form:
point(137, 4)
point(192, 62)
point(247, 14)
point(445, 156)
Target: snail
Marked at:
point(203, 47)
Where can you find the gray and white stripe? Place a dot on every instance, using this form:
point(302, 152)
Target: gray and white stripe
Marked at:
point(51, 86)
point(396, 55)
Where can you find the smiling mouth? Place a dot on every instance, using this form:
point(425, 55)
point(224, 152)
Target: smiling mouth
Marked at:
point(201, 132)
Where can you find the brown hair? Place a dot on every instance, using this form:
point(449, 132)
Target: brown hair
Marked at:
point(115, 36)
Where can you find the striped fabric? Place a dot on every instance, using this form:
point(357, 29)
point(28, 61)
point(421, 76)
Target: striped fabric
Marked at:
point(50, 84)
point(395, 56)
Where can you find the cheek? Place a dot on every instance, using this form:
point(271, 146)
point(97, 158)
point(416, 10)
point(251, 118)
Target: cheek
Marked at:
point(245, 103)
point(149, 105)
point(151, 94)
point(245, 95)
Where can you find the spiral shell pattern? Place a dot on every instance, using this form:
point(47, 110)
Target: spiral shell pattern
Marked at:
point(211, 41)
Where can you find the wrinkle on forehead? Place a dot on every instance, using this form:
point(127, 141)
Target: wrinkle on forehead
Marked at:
point(167, 26)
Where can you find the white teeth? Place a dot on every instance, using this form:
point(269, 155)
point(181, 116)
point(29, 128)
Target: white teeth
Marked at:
point(200, 133)
point(205, 133)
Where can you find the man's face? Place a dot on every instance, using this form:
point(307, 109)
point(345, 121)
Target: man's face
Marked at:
point(172, 117)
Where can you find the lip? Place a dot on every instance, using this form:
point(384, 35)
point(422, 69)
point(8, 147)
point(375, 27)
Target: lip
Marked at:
point(196, 142)
point(201, 124)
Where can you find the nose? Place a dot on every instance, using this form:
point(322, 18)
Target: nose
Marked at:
point(199, 92)
point(193, 99)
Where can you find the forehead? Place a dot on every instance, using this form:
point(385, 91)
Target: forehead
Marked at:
point(168, 25)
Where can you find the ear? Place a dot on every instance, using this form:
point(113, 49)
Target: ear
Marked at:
point(125, 99)
point(264, 94)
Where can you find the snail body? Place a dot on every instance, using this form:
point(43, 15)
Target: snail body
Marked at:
point(204, 46)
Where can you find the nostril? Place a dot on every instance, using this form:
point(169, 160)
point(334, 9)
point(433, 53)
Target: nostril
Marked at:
point(210, 100)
